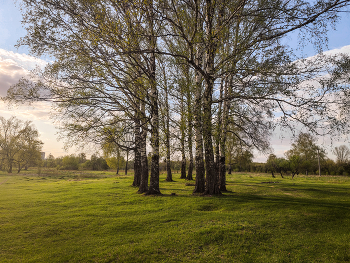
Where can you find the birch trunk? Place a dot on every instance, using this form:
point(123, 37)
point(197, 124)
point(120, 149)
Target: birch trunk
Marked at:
point(144, 162)
point(189, 126)
point(182, 140)
point(169, 177)
point(225, 121)
point(212, 187)
point(200, 172)
point(154, 179)
point(137, 154)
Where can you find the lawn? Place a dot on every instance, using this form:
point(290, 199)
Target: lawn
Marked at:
point(60, 216)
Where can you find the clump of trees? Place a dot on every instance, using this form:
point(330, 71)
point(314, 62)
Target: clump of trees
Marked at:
point(191, 71)
point(305, 157)
point(20, 146)
point(77, 162)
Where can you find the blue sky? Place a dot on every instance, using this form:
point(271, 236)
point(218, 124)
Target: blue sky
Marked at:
point(15, 61)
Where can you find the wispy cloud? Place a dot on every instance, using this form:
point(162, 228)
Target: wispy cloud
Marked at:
point(24, 61)
point(39, 111)
point(14, 66)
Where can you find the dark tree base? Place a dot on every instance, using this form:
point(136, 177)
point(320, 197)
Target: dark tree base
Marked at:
point(200, 189)
point(143, 188)
point(153, 192)
point(223, 188)
point(208, 193)
point(142, 191)
point(189, 174)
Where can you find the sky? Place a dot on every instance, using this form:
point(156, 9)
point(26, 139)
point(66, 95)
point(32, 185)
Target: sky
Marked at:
point(15, 63)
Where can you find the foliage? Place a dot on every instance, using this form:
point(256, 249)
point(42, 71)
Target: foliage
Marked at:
point(19, 144)
point(69, 162)
point(343, 154)
point(304, 154)
point(95, 164)
point(277, 165)
point(50, 161)
point(114, 163)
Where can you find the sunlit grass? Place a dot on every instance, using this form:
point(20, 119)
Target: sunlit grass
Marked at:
point(85, 216)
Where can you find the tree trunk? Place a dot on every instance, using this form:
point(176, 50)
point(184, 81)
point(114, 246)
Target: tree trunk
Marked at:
point(154, 179)
point(222, 135)
point(137, 166)
point(189, 126)
point(137, 152)
point(182, 139)
point(169, 177)
point(318, 159)
point(190, 169)
point(118, 160)
point(144, 162)
point(212, 187)
point(126, 162)
point(10, 168)
point(218, 135)
point(200, 172)
point(225, 124)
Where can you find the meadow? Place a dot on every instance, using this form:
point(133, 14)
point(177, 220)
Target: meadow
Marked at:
point(83, 216)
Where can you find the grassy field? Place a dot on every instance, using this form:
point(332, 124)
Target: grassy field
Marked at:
point(98, 217)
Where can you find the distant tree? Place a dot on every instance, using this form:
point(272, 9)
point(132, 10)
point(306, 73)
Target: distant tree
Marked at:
point(294, 164)
point(343, 153)
point(69, 162)
point(282, 166)
point(95, 163)
point(19, 143)
point(305, 154)
point(50, 161)
point(30, 152)
point(329, 166)
point(98, 163)
point(243, 159)
point(271, 164)
point(82, 157)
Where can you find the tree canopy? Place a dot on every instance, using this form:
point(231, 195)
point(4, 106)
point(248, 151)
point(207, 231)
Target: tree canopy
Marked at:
point(19, 144)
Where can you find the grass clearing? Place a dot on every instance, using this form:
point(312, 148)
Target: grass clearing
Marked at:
point(61, 216)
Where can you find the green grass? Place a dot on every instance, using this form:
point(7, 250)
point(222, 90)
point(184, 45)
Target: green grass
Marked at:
point(81, 216)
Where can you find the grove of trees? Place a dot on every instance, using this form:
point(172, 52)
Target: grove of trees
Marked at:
point(20, 146)
point(210, 79)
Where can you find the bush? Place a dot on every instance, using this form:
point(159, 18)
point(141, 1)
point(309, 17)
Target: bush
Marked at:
point(95, 164)
point(69, 162)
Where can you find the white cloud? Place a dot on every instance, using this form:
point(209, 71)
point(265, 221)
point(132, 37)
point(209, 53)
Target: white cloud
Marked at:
point(13, 66)
point(39, 111)
point(22, 60)
point(10, 73)
point(342, 50)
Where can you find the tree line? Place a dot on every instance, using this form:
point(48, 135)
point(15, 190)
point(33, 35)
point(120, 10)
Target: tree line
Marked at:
point(195, 76)
point(20, 147)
